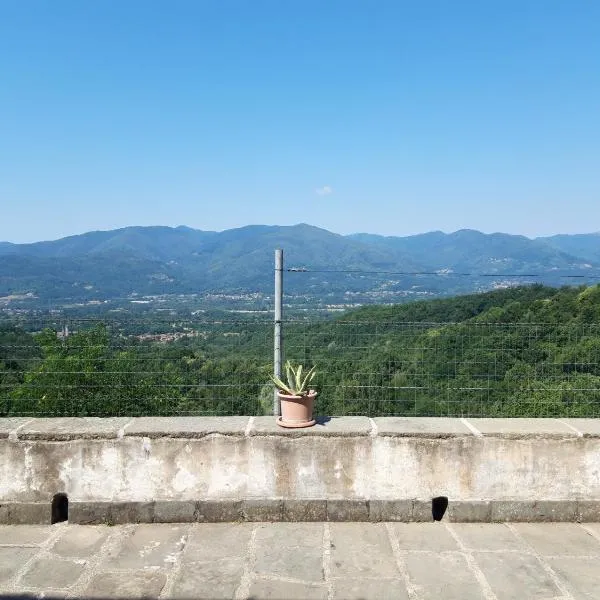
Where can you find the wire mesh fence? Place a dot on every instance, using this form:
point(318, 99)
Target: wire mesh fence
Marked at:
point(178, 366)
point(135, 367)
point(452, 369)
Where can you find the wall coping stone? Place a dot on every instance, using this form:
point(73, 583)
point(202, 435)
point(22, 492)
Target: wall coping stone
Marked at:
point(523, 428)
point(186, 427)
point(428, 427)
point(74, 428)
point(587, 427)
point(325, 426)
point(10, 425)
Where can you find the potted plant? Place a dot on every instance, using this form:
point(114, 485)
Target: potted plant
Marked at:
point(295, 397)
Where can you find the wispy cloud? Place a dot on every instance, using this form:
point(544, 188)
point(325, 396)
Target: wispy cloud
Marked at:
point(326, 190)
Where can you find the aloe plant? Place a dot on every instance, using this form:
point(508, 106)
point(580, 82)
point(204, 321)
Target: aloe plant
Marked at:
point(297, 382)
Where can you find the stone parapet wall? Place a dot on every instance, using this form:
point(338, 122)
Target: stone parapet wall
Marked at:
point(167, 469)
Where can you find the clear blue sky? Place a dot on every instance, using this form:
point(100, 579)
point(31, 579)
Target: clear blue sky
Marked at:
point(381, 116)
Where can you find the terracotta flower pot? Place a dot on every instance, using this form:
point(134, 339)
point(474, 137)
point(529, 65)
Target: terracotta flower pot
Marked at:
point(296, 411)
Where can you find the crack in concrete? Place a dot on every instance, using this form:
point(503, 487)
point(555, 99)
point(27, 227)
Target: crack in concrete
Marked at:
point(177, 565)
point(327, 560)
point(243, 590)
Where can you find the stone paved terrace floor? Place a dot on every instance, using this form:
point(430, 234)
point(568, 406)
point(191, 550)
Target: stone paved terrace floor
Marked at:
point(302, 561)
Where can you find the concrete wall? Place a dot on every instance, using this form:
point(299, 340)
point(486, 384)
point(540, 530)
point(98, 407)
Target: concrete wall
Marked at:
point(348, 468)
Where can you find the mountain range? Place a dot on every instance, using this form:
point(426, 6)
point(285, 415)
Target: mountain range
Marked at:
point(181, 260)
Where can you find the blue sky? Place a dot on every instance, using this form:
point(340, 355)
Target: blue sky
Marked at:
point(382, 116)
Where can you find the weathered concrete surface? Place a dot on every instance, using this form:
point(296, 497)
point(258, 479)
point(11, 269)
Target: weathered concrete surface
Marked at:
point(349, 468)
point(429, 427)
point(186, 427)
point(325, 426)
point(587, 427)
point(522, 428)
point(72, 428)
point(11, 425)
point(325, 561)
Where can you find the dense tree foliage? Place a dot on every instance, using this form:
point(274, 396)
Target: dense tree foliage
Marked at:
point(532, 351)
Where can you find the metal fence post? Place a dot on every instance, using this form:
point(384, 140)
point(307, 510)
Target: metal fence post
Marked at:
point(278, 346)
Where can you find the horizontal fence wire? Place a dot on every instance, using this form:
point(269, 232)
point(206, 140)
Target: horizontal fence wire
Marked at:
point(139, 367)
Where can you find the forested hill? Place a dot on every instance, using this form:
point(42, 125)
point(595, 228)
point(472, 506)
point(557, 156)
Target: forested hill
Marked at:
point(532, 351)
point(527, 304)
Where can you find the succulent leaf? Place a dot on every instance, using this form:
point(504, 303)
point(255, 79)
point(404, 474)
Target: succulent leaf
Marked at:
point(296, 385)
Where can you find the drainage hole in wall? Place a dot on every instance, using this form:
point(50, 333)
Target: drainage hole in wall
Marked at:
point(60, 508)
point(438, 507)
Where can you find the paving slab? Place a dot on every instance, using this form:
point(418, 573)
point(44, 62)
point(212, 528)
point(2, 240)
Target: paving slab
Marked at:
point(289, 560)
point(370, 557)
point(522, 428)
point(277, 590)
point(208, 580)
point(290, 550)
point(80, 541)
point(361, 589)
point(581, 576)
point(24, 535)
point(488, 536)
point(186, 427)
point(155, 545)
point(71, 428)
point(329, 426)
point(432, 537)
point(445, 575)
point(515, 576)
point(11, 560)
point(52, 573)
point(146, 584)
point(559, 539)
point(427, 427)
point(217, 541)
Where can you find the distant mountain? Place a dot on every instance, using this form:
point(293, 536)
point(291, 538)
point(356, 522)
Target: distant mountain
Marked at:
point(468, 250)
point(181, 260)
point(151, 243)
point(585, 245)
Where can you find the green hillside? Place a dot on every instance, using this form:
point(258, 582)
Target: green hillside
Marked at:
point(532, 351)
